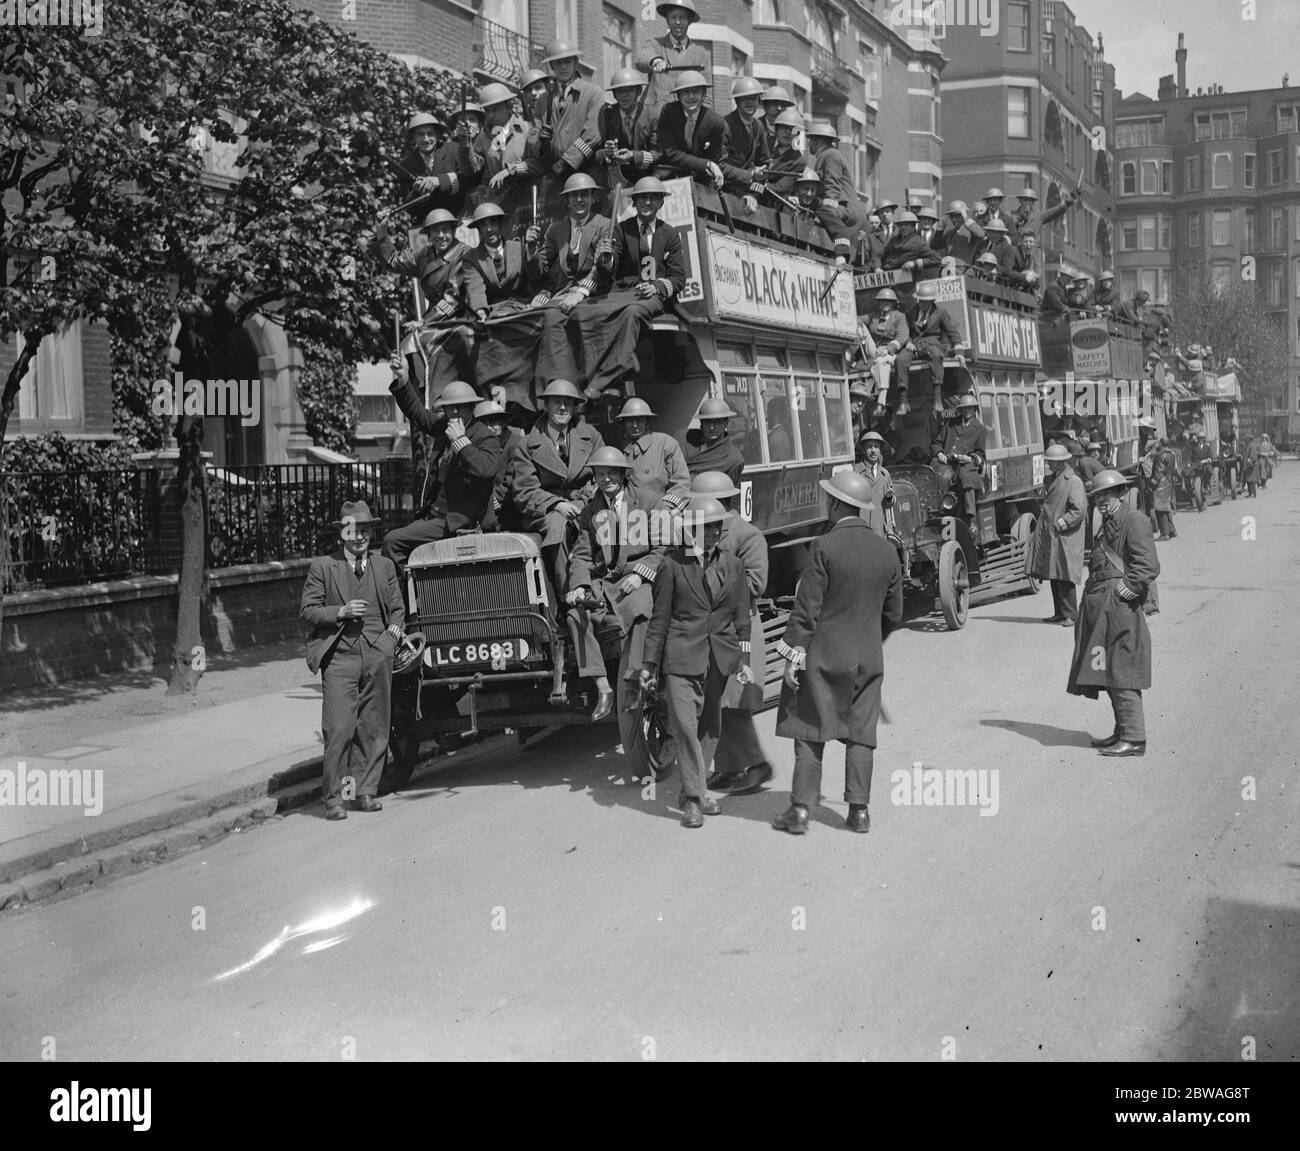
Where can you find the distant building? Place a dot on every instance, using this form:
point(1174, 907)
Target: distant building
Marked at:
point(1208, 178)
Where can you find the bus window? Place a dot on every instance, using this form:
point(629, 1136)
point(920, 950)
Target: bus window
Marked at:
point(1035, 420)
point(776, 411)
point(1022, 420)
point(808, 404)
point(1003, 401)
point(738, 391)
point(837, 414)
point(735, 356)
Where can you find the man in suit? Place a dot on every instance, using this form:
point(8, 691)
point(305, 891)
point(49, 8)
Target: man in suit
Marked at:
point(891, 336)
point(710, 448)
point(667, 57)
point(849, 597)
point(417, 172)
point(511, 147)
point(438, 265)
point(788, 161)
point(998, 244)
point(1112, 617)
point(658, 465)
point(1029, 221)
point(468, 455)
point(627, 143)
point(692, 138)
point(575, 112)
point(740, 766)
point(906, 250)
point(498, 278)
point(1105, 296)
point(934, 337)
point(992, 203)
point(698, 636)
point(880, 485)
point(1055, 304)
point(959, 449)
point(551, 475)
point(959, 236)
point(1056, 552)
point(642, 276)
point(748, 153)
point(615, 559)
point(840, 210)
point(353, 602)
point(775, 101)
point(1133, 310)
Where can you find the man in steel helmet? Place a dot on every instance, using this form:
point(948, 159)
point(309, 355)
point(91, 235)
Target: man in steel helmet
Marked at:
point(748, 154)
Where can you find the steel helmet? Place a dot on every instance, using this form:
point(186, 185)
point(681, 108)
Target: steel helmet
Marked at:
point(1057, 453)
point(850, 488)
point(967, 401)
point(690, 79)
point(988, 259)
point(608, 458)
point(422, 120)
point(905, 218)
point(993, 194)
point(777, 95)
point(715, 484)
point(715, 409)
point(488, 211)
point(1106, 276)
point(808, 176)
point(686, 6)
point(872, 438)
point(706, 510)
point(746, 86)
point(491, 94)
point(1106, 481)
point(470, 109)
point(560, 50)
point(439, 216)
point(886, 294)
point(531, 77)
point(635, 408)
point(486, 409)
point(995, 225)
point(886, 205)
point(914, 208)
point(1027, 194)
point(408, 652)
point(822, 128)
point(927, 214)
point(789, 119)
point(625, 78)
point(957, 206)
point(649, 186)
point(579, 182)
point(457, 392)
point(561, 389)
point(858, 388)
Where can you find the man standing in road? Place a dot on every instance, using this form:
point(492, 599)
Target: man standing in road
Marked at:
point(880, 486)
point(849, 598)
point(1112, 645)
point(354, 605)
point(1056, 552)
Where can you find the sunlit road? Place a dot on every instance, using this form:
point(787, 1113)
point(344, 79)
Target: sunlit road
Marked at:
point(529, 904)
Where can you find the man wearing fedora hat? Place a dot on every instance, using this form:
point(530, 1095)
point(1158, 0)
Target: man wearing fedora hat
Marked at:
point(1056, 550)
point(353, 602)
point(849, 597)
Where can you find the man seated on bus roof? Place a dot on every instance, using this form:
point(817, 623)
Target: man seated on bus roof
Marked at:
point(498, 276)
point(958, 450)
point(438, 264)
point(709, 447)
point(692, 137)
point(748, 155)
point(627, 144)
point(892, 337)
point(934, 336)
point(906, 250)
point(788, 162)
point(839, 211)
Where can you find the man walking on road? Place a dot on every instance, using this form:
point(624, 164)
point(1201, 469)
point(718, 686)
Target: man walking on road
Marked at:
point(1112, 645)
point(1056, 553)
point(354, 604)
point(849, 598)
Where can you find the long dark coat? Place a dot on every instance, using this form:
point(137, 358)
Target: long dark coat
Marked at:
point(745, 541)
point(1057, 551)
point(1162, 481)
point(540, 479)
point(849, 598)
point(1112, 645)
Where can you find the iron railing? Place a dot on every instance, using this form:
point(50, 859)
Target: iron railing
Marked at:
point(829, 70)
point(503, 53)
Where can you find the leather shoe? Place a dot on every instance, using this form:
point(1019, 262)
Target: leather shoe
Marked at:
point(723, 780)
point(753, 779)
point(710, 806)
point(1124, 747)
point(335, 813)
point(859, 819)
point(1068, 621)
point(1109, 741)
point(604, 705)
point(692, 816)
point(794, 820)
point(369, 803)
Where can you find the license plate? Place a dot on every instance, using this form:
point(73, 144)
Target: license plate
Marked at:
point(485, 651)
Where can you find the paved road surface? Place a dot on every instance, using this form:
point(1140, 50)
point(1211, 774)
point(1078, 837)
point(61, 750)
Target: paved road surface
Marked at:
point(531, 904)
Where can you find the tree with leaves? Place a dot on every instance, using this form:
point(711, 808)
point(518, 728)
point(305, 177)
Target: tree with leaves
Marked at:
point(104, 202)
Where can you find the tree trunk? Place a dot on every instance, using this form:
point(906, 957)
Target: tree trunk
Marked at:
point(189, 657)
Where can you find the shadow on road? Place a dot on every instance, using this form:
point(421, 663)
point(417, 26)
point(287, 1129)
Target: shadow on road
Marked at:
point(1041, 733)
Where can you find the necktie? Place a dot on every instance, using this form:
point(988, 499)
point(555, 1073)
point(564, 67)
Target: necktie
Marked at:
point(359, 568)
point(647, 235)
point(627, 129)
point(562, 446)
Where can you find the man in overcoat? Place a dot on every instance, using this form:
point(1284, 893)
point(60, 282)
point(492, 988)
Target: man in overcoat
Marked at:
point(849, 597)
point(1056, 552)
point(1112, 644)
point(710, 448)
point(353, 602)
point(880, 486)
point(698, 637)
point(1163, 467)
point(611, 569)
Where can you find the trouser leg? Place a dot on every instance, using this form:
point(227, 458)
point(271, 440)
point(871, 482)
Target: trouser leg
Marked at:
point(902, 375)
point(710, 724)
point(685, 707)
point(859, 761)
point(738, 745)
point(1130, 716)
point(340, 683)
point(1064, 598)
point(401, 542)
point(374, 714)
point(590, 662)
point(806, 787)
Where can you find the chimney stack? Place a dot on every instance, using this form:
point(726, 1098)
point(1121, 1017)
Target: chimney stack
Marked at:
point(1180, 60)
point(1167, 90)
